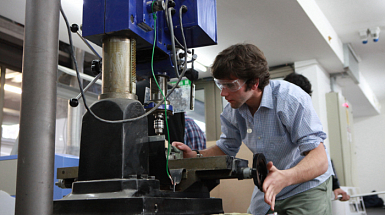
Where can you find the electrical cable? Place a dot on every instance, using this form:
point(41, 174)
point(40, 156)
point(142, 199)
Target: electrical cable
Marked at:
point(81, 86)
point(184, 47)
point(184, 69)
point(89, 45)
point(173, 43)
point(173, 39)
point(184, 38)
point(168, 24)
point(175, 66)
point(165, 109)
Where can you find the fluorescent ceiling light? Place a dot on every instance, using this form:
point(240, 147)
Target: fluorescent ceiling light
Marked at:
point(197, 65)
point(12, 89)
point(200, 67)
point(15, 76)
point(82, 75)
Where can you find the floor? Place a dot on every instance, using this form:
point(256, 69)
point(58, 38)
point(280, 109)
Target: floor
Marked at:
point(375, 211)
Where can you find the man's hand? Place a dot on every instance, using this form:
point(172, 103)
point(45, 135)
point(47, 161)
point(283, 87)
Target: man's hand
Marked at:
point(339, 191)
point(187, 152)
point(273, 184)
point(313, 165)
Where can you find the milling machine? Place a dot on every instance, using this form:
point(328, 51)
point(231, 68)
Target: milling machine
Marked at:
point(123, 170)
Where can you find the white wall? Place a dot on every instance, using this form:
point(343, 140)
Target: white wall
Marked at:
point(320, 82)
point(370, 143)
point(368, 131)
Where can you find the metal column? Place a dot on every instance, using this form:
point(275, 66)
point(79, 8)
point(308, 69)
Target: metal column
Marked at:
point(34, 187)
point(119, 68)
point(1, 101)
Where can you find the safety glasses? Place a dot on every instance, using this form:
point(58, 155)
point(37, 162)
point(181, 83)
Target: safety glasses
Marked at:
point(232, 86)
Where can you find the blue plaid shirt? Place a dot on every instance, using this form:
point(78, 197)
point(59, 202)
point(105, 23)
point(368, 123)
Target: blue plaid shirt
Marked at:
point(283, 128)
point(193, 135)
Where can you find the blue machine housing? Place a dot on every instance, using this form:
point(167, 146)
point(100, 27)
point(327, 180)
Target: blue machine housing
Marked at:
point(199, 23)
point(61, 160)
point(133, 19)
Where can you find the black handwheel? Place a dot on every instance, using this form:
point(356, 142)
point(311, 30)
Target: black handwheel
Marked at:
point(259, 164)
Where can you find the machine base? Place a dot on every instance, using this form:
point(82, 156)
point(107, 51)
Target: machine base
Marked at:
point(139, 205)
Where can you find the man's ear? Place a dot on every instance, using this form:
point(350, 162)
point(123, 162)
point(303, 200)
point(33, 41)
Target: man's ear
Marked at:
point(255, 86)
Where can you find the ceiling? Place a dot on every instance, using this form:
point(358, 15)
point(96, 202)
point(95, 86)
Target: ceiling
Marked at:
point(285, 33)
point(282, 30)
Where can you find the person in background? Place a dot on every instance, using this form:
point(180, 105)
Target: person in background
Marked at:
point(300, 81)
point(305, 85)
point(193, 135)
point(277, 119)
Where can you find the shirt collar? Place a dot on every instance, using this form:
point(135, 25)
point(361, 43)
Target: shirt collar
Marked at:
point(267, 101)
point(267, 97)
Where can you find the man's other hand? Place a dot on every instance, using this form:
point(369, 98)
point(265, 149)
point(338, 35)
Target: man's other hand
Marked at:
point(339, 191)
point(187, 152)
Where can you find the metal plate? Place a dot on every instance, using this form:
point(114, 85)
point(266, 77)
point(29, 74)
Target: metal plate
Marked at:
point(67, 172)
point(144, 205)
point(204, 163)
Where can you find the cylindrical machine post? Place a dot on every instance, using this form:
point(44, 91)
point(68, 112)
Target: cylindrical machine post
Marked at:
point(159, 123)
point(74, 123)
point(2, 68)
point(35, 168)
point(156, 94)
point(119, 68)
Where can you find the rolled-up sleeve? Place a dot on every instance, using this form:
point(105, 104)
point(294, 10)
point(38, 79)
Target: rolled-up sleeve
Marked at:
point(303, 124)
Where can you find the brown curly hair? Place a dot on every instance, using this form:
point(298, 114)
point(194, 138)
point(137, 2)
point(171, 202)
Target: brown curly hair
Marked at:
point(243, 61)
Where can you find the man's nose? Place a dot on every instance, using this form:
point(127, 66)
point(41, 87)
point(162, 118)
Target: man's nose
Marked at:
point(224, 92)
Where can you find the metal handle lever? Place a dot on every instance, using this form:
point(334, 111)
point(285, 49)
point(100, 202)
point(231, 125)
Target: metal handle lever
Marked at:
point(75, 101)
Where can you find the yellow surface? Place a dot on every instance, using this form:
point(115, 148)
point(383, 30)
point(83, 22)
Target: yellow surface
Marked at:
point(235, 194)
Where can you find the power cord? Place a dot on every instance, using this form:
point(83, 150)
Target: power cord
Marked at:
point(153, 74)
